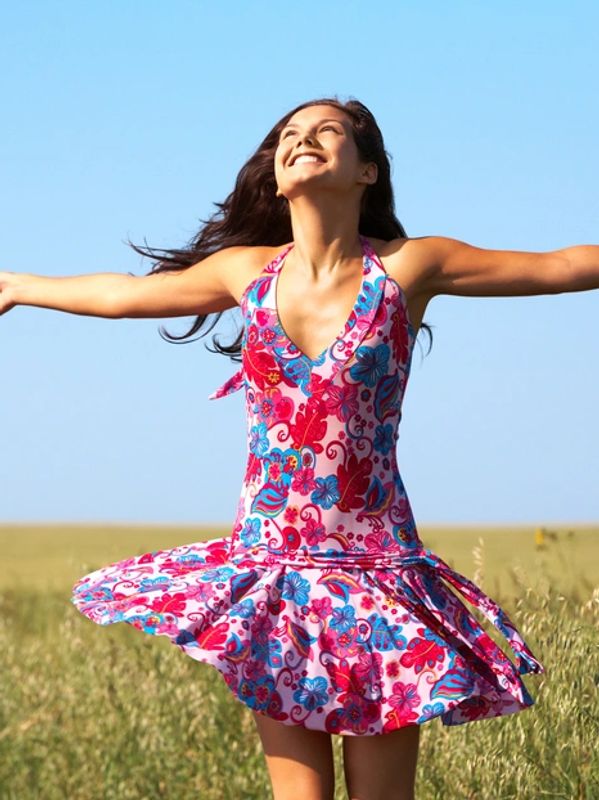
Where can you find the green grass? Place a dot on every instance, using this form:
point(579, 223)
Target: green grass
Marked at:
point(107, 713)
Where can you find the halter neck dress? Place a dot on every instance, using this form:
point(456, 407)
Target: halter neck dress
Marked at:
point(323, 608)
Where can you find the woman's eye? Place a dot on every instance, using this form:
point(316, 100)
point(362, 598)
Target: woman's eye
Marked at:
point(324, 128)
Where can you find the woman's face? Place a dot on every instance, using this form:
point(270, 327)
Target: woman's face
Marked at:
point(326, 132)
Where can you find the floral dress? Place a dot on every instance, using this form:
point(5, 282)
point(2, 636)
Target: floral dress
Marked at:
point(323, 608)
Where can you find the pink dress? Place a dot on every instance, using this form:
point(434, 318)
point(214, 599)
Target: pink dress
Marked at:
point(323, 608)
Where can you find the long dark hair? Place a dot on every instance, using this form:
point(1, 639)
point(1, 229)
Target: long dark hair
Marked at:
point(252, 214)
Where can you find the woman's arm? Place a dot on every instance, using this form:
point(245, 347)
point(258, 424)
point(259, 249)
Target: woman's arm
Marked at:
point(202, 288)
point(450, 266)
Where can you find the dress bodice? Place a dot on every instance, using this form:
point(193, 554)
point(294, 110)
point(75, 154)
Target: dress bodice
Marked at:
point(322, 473)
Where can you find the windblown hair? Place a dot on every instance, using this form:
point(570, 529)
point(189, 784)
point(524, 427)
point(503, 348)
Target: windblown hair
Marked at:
point(253, 215)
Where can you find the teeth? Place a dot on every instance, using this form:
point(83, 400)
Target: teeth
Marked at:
point(301, 159)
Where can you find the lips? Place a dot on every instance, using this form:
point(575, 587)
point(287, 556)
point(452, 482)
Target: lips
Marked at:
point(314, 155)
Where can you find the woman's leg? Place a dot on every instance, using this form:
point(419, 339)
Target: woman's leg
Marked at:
point(299, 761)
point(381, 767)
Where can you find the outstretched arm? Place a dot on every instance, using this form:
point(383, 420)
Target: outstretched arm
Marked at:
point(450, 266)
point(203, 288)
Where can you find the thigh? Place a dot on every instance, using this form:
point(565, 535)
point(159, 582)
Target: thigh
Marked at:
point(381, 766)
point(299, 761)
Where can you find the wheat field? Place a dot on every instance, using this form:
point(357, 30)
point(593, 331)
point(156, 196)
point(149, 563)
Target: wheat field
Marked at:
point(90, 712)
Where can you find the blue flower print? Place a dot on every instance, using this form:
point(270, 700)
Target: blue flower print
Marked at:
point(217, 575)
point(151, 584)
point(372, 364)
point(245, 608)
point(326, 492)
point(311, 692)
point(431, 710)
point(294, 587)
point(267, 651)
point(384, 438)
point(256, 694)
point(251, 531)
point(343, 618)
point(386, 636)
point(259, 439)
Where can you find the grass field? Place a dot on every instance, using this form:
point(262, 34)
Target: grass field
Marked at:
point(90, 713)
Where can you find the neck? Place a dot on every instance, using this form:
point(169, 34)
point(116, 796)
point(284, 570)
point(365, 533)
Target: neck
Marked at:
point(323, 242)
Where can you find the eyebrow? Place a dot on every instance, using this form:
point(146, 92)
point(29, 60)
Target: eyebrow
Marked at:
point(326, 119)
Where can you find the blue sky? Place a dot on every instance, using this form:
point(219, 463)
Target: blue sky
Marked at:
point(130, 120)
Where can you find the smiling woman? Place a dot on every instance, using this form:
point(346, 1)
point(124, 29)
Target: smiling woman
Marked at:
point(323, 610)
point(257, 213)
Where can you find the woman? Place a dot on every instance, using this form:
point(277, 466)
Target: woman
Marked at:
point(323, 610)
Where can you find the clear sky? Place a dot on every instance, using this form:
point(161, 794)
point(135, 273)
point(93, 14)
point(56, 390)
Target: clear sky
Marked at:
point(132, 119)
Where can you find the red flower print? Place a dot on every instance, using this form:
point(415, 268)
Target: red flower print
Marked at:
point(367, 602)
point(422, 652)
point(171, 604)
point(310, 426)
point(253, 469)
point(352, 480)
point(475, 707)
point(392, 669)
point(398, 334)
point(290, 514)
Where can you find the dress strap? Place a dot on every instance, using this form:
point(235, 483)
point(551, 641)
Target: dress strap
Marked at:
point(237, 380)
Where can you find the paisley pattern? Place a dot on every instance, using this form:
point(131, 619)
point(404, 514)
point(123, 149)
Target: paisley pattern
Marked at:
point(323, 608)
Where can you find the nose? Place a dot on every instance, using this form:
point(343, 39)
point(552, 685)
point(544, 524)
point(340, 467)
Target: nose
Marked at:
point(307, 137)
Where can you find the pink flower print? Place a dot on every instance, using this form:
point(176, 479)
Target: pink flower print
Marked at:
point(314, 532)
point(261, 627)
point(404, 698)
point(254, 669)
point(201, 591)
point(379, 541)
point(303, 481)
point(342, 401)
point(322, 607)
point(369, 667)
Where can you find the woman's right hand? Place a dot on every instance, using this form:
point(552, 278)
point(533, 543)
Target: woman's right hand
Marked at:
point(8, 283)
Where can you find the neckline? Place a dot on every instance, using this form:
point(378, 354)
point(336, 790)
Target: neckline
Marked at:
point(348, 322)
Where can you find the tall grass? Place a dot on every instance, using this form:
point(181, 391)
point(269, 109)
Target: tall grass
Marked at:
point(90, 713)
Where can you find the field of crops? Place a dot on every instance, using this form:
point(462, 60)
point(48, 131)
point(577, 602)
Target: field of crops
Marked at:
point(109, 713)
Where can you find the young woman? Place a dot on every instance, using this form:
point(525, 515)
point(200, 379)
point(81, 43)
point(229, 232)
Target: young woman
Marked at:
point(323, 610)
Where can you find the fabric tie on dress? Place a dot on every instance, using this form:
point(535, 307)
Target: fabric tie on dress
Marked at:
point(232, 384)
point(526, 662)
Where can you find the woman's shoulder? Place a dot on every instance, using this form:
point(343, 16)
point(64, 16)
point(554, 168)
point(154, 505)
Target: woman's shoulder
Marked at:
point(247, 263)
point(407, 260)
